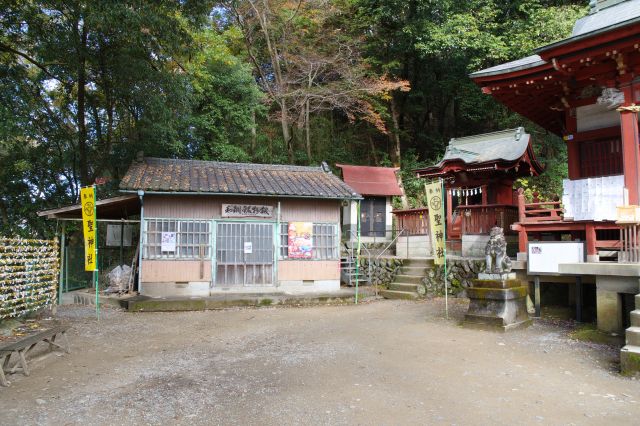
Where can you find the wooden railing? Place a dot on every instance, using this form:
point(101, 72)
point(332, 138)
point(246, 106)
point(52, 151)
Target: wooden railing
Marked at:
point(479, 219)
point(413, 221)
point(544, 211)
point(629, 243)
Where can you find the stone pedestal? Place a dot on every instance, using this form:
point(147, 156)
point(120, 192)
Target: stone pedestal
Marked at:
point(497, 302)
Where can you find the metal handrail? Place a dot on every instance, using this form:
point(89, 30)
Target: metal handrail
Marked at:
point(390, 244)
point(354, 234)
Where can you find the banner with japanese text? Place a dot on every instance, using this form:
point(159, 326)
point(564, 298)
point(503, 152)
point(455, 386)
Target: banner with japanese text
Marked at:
point(436, 220)
point(89, 226)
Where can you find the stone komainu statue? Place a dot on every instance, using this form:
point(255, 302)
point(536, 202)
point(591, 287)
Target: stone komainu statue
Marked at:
point(496, 253)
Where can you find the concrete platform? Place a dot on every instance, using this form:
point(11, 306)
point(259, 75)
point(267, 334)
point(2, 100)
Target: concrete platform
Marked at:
point(137, 303)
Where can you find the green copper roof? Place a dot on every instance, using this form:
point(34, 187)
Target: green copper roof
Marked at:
point(506, 145)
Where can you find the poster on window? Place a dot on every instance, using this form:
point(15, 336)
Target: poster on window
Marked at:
point(300, 240)
point(168, 242)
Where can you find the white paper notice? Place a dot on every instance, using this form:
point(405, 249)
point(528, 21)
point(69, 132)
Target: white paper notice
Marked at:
point(248, 247)
point(168, 242)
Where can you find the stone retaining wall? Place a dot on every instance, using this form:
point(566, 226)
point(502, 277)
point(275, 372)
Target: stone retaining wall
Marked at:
point(383, 270)
point(460, 272)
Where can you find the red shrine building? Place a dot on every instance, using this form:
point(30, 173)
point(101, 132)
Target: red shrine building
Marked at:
point(479, 173)
point(586, 89)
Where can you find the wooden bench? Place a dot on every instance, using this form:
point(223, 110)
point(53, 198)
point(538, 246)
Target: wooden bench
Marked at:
point(21, 348)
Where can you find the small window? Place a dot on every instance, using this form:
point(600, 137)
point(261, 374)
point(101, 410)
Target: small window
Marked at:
point(176, 239)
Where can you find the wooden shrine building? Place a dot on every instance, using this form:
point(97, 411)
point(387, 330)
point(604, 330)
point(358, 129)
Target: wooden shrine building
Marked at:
point(479, 172)
point(586, 89)
point(378, 186)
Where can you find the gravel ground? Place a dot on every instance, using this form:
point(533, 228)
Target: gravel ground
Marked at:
point(384, 362)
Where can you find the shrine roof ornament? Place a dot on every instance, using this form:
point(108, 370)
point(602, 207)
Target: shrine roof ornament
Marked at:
point(504, 150)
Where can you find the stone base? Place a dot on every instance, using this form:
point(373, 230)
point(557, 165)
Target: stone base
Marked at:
point(630, 360)
point(501, 277)
point(499, 305)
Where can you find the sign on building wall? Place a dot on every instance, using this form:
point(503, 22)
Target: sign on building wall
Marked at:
point(114, 237)
point(300, 240)
point(436, 220)
point(89, 226)
point(593, 198)
point(168, 241)
point(544, 257)
point(246, 210)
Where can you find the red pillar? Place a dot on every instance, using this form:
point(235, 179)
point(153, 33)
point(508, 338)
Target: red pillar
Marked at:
point(573, 150)
point(521, 205)
point(590, 232)
point(449, 211)
point(630, 149)
point(523, 240)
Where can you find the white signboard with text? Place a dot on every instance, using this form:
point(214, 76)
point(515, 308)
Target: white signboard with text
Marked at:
point(246, 210)
point(543, 257)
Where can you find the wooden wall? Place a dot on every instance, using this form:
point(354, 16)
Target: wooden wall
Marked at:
point(164, 271)
point(210, 207)
point(291, 270)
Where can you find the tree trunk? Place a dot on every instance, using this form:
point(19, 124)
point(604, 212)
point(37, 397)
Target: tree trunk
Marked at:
point(395, 135)
point(307, 134)
point(396, 153)
point(254, 132)
point(82, 127)
point(286, 130)
point(372, 147)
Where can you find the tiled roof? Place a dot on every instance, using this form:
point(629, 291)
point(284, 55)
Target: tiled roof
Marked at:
point(606, 17)
point(618, 14)
point(171, 175)
point(371, 180)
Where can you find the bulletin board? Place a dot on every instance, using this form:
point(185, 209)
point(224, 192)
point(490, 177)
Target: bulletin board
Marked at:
point(544, 257)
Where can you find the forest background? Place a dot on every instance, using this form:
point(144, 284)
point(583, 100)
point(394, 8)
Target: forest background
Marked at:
point(87, 84)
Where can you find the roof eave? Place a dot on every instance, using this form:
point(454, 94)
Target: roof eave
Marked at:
point(354, 196)
point(481, 74)
point(600, 31)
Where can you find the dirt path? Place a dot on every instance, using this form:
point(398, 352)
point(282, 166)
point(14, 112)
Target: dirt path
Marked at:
point(388, 362)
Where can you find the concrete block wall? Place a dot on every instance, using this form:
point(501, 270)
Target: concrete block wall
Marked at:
point(473, 245)
point(413, 246)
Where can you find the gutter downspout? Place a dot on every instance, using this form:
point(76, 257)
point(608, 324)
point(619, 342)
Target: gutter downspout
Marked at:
point(141, 239)
point(277, 246)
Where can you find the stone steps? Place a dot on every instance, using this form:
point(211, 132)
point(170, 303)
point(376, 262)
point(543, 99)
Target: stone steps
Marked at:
point(630, 359)
point(424, 263)
point(635, 316)
point(632, 335)
point(405, 285)
point(414, 270)
point(413, 279)
point(394, 294)
point(398, 286)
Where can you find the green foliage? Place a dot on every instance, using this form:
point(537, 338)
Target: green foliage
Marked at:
point(175, 79)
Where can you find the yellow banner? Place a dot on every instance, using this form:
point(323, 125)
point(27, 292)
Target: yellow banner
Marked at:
point(88, 203)
point(435, 202)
